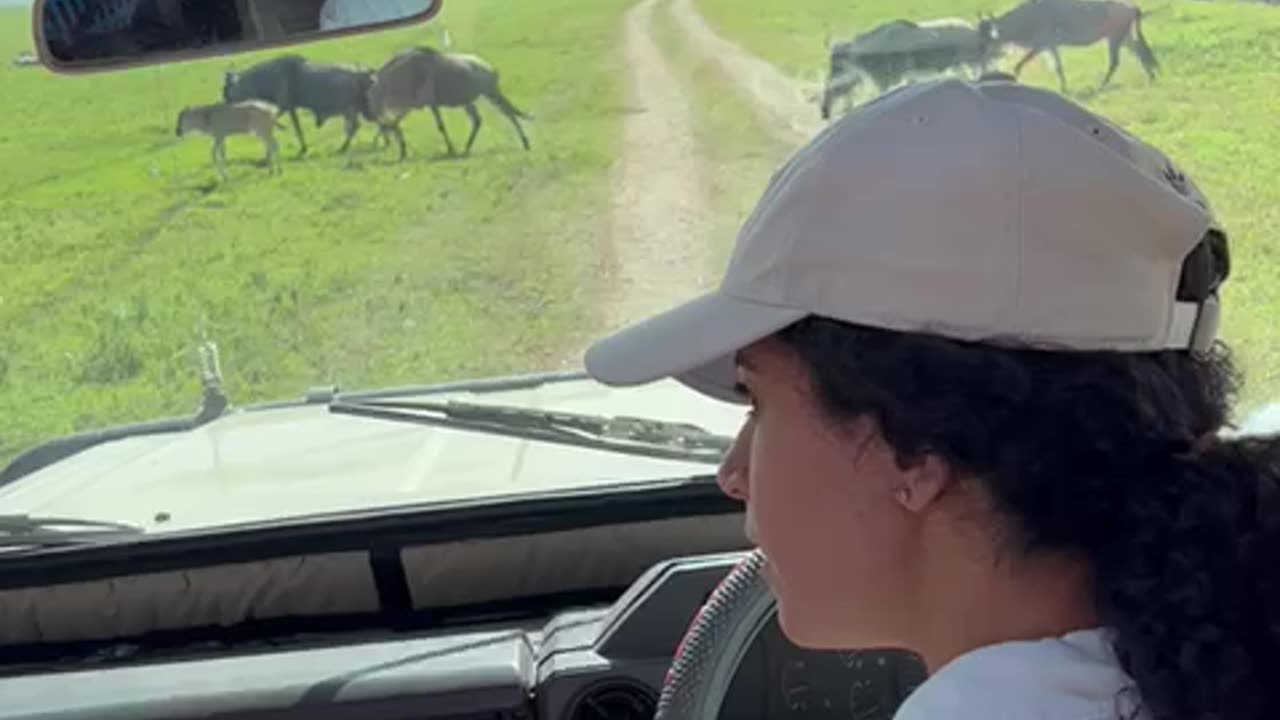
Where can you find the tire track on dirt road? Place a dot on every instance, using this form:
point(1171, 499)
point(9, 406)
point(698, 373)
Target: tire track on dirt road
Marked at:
point(778, 97)
point(656, 253)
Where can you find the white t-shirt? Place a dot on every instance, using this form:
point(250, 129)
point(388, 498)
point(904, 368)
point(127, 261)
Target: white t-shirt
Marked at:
point(1072, 677)
point(336, 14)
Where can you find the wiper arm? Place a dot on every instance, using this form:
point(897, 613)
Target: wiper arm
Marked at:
point(631, 435)
point(43, 531)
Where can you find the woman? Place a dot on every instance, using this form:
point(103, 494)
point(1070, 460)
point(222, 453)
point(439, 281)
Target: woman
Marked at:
point(976, 326)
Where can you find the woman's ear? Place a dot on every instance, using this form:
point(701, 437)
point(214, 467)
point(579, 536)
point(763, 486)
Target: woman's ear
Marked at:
point(921, 484)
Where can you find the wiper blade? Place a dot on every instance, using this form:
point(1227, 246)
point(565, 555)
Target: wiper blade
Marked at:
point(44, 531)
point(635, 436)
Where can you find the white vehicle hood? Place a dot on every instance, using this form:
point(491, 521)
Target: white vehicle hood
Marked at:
point(267, 464)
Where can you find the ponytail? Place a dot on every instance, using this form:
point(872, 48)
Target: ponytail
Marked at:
point(1193, 590)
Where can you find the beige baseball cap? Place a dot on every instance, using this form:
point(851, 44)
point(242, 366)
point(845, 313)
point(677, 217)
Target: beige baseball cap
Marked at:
point(984, 211)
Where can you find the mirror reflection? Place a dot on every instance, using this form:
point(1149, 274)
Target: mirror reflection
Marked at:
point(79, 31)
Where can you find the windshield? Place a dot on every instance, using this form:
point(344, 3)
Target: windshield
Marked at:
point(606, 178)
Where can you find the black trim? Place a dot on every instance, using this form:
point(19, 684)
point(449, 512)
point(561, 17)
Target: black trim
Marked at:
point(362, 530)
point(389, 578)
point(1205, 268)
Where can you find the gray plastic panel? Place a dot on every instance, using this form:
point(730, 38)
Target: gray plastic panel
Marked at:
point(652, 618)
point(634, 640)
point(456, 674)
point(489, 673)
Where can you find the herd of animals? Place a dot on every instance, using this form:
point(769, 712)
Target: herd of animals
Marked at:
point(892, 51)
point(255, 100)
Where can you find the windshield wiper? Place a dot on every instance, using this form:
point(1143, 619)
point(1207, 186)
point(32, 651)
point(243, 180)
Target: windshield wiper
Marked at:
point(43, 531)
point(635, 436)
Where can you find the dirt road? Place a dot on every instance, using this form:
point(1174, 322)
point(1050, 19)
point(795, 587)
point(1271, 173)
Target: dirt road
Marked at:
point(778, 98)
point(659, 201)
point(657, 252)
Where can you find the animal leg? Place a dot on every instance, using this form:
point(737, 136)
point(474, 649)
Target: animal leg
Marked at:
point(440, 125)
point(399, 133)
point(387, 129)
point(220, 157)
point(1145, 56)
point(476, 121)
point(352, 126)
point(511, 111)
point(1113, 52)
point(524, 139)
point(1017, 69)
point(1138, 44)
point(297, 128)
point(838, 88)
point(273, 154)
point(1057, 66)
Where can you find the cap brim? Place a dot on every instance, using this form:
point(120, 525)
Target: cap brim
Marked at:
point(694, 343)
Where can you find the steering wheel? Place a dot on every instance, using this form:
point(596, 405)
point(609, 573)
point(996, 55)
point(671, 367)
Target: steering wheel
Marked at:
point(715, 643)
point(725, 628)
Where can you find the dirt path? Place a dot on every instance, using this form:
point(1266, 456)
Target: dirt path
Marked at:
point(657, 254)
point(779, 98)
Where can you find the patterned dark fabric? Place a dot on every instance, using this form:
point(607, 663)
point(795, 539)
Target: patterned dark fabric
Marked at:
point(65, 19)
point(87, 29)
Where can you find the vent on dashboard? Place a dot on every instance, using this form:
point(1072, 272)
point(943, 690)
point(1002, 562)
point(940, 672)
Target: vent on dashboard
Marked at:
point(614, 699)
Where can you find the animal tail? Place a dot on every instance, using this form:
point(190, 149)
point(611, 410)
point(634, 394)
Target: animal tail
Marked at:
point(497, 98)
point(1140, 46)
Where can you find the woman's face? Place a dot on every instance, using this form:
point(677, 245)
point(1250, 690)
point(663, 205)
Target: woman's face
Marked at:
point(826, 506)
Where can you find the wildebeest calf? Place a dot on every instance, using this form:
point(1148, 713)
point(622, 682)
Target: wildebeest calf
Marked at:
point(426, 77)
point(252, 117)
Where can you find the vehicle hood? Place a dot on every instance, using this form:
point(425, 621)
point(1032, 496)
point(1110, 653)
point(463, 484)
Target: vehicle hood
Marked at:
point(261, 464)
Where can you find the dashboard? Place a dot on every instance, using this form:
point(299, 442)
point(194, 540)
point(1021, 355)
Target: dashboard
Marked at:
point(580, 664)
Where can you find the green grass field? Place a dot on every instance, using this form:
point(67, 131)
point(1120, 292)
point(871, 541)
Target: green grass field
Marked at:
point(1214, 109)
point(121, 251)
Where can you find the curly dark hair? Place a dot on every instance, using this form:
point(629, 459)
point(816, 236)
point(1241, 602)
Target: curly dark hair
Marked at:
point(1103, 455)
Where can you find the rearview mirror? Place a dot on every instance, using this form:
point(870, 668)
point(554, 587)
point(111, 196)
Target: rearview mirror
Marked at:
point(96, 35)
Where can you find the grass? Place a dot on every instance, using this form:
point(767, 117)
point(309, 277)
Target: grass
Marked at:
point(122, 251)
point(1213, 110)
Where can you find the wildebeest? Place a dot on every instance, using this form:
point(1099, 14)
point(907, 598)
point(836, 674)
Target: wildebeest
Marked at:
point(1040, 25)
point(425, 77)
point(291, 82)
point(890, 52)
point(251, 117)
